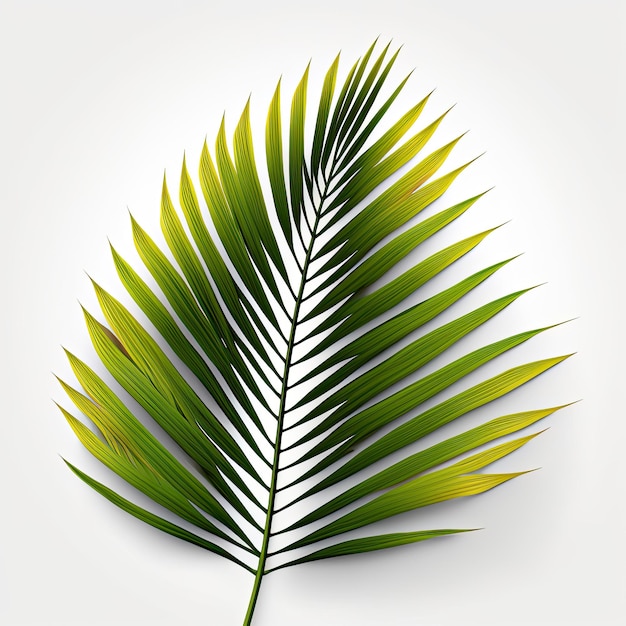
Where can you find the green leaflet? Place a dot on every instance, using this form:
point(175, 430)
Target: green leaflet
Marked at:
point(362, 425)
point(248, 215)
point(384, 259)
point(360, 310)
point(359, 107)
point(276, 167)
point(185, 306)
point(345, 100)
point(401, 364)
point(378, 339)
point(144, 445)
point(188, 433)
point(369, 544)
point(323, 111)
point(277, 276)
point(231, 236)
point(371, 173)
point(367, 160)
point(154, 520)
point(425, 460)
point(389, 211)
point(296, 150)
point(184, 349)
point(164, 377)
point(143, 478)
point(234, 297)
point(455, 481)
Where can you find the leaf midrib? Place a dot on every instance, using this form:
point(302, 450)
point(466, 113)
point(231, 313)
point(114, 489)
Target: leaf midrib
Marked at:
point(267, 533)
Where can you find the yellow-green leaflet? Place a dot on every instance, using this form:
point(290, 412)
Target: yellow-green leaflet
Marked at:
point(274, 353)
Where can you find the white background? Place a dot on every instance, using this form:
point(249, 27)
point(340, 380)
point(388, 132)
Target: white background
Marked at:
point(98, 98)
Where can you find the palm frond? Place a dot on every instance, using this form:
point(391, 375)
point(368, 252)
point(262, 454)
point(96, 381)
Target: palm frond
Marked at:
point(282, 331)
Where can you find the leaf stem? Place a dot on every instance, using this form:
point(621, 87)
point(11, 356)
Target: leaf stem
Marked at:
point(279, 430)
point(282, 411)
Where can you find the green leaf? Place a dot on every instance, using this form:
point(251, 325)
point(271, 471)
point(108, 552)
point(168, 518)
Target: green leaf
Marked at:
point(285, 275)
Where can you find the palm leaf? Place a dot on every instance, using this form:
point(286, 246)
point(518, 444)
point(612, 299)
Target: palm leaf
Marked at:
point(265, 332)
